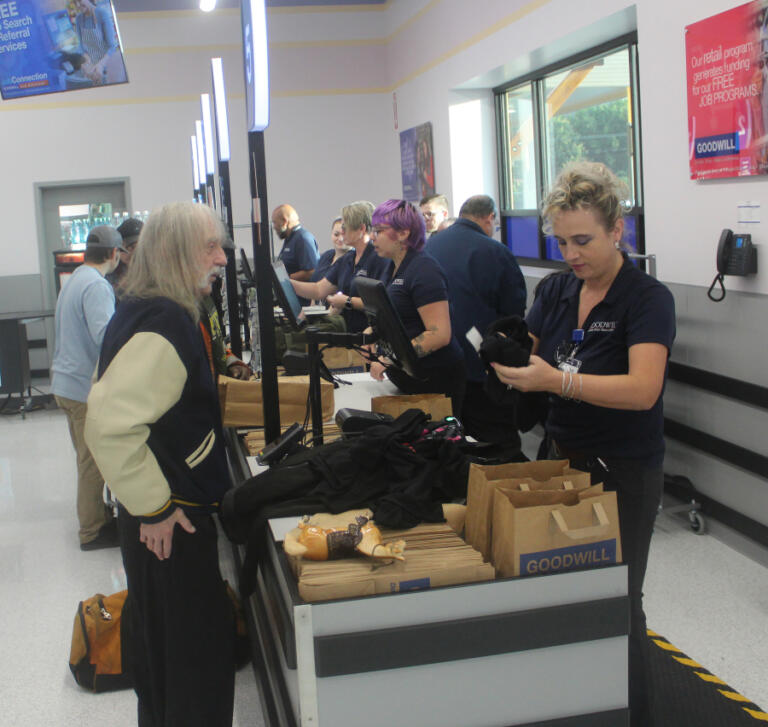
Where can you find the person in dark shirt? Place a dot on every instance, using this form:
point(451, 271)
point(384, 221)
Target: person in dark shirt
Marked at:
point(332, 256)
point(434, 209)
point(129, 230)
point(419, 293)
point(299, 251)
point(602, 335)
point(338, 287)
point(485, 284)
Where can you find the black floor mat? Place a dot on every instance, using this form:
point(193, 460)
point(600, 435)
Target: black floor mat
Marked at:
point(687, 695)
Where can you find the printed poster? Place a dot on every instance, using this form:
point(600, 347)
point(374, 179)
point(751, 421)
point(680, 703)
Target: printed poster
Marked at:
point(417, 162)
point(727, 71)
point(58, 45)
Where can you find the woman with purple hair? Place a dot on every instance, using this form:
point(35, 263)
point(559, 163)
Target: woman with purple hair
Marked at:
point(419, 293)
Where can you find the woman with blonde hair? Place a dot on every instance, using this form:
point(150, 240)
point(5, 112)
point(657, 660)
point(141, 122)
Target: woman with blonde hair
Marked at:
point(602, 335)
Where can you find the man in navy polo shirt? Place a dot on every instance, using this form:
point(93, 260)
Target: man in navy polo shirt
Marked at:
point(299, 252)
point(485, 284)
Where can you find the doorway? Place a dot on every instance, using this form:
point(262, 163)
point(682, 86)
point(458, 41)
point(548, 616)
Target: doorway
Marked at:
point(49, 197)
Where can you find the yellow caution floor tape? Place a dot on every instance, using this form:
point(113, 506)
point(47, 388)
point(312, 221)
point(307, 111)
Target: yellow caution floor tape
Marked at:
point(704, 675)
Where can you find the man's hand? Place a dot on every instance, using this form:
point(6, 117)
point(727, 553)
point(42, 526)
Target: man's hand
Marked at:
point(158, 536)
point(239, 370)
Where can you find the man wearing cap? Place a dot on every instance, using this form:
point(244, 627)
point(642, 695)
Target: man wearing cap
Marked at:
point(85, 305)
point(129, 230)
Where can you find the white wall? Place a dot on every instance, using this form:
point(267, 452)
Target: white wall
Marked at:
point(332, 137)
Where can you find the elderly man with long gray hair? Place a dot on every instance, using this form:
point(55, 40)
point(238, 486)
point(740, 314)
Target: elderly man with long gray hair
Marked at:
point(154, 428)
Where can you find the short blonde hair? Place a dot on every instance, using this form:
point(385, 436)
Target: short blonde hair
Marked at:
point(586, 185)
point(165, 262)
point(357, 214)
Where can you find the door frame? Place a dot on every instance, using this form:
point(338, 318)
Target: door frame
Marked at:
point(49, 300)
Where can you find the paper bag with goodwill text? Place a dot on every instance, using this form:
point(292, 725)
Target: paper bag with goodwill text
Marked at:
point(533, 533)
point(556, 474)
point(437, 405)
point(242, 404)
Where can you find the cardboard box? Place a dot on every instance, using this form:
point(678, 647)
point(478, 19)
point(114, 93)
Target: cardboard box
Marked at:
point(534, 533)
point(485, 479)
point(437, 405)
point(242, 404)
point(434, 556)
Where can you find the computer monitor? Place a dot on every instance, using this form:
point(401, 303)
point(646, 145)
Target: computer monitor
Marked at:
point(387, 326)
point(286, 295)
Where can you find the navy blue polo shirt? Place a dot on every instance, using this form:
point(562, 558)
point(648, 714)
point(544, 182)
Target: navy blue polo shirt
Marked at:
point(299, 253)
point(343, 275)
point(420, 281)
point(324, 264)
point(484, 281)
point(636, 309)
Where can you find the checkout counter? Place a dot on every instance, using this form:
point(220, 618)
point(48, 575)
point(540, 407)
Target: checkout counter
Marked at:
point(540, 651)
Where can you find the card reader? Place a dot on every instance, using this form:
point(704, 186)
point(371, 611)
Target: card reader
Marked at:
point(281, 447)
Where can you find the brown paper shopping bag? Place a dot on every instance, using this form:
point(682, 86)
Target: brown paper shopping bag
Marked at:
point(534, 534)
point(437, 405)
point(242, 404)
point(484, 479)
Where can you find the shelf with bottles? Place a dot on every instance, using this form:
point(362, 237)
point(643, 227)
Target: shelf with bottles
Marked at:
point(76, 221)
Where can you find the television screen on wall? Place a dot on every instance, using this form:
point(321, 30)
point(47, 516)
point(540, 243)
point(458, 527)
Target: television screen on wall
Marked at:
point(47, 46)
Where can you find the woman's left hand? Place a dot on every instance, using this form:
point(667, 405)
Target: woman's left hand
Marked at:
point(538, 375)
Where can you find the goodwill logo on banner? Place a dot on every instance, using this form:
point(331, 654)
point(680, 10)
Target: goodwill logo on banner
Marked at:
point(727, 70)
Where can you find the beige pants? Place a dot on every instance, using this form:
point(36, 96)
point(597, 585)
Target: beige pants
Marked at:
point(92, 512)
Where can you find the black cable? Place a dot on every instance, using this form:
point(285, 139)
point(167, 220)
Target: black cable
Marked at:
point(718, 279)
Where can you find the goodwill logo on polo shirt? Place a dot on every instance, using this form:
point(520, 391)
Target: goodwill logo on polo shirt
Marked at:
point(602, 327)
point(398, 281)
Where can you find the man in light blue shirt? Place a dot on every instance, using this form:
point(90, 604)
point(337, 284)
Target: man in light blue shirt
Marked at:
point(86, 304)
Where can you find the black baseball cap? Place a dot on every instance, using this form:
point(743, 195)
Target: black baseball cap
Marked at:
point(130, 230)
point(104, 237)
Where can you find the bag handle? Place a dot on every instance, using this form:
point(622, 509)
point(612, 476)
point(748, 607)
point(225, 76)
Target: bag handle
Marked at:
point(525, 487)
point(598, 513)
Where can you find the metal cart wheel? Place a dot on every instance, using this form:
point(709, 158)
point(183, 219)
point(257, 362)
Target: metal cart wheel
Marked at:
point(698, 524)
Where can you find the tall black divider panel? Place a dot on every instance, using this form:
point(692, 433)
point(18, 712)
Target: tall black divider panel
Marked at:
point(233, 299)
point(262, 263)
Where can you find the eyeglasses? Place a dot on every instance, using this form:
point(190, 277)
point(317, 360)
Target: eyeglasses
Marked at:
point(380, 228)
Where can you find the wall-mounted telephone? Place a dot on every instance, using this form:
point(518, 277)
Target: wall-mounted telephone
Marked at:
point(736, 255)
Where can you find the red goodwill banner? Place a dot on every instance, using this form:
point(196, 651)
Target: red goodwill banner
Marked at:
point(726, 60)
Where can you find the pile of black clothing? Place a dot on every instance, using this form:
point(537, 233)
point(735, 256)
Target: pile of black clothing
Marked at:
point(401, 470)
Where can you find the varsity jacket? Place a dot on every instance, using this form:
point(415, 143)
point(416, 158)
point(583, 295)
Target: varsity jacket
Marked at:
point(153, 423)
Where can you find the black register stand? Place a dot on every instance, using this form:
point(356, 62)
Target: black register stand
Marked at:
point(539, 651)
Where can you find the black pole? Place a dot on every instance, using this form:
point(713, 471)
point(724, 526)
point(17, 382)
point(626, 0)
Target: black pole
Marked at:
point(230, 274)
point(261, 263)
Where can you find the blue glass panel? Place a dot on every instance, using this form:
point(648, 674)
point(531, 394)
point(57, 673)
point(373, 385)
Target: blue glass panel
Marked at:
point(523, 235)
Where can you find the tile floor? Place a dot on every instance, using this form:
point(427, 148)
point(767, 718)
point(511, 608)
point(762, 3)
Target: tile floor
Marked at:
point(706, 596)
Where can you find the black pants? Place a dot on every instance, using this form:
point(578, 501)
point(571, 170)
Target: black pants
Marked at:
point(179, 628)
point(638, 493)
point(449, 380)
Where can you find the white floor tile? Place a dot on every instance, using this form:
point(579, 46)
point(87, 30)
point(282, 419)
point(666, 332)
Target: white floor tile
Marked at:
point(705, 597)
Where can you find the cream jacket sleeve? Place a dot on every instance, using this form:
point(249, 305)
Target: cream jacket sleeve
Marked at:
point(143, 381)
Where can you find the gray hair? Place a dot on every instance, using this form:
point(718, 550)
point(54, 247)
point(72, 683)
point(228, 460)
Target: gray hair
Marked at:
point(357, 214)
point(479, 205)
point(166, 260)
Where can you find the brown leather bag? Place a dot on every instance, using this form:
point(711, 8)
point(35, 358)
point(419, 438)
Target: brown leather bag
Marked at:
point(96, 654)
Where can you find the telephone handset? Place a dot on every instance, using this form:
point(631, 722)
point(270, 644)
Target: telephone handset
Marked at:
point(735, 256)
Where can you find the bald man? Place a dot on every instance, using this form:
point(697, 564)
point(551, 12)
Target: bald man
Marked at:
point(299, 253)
